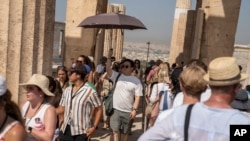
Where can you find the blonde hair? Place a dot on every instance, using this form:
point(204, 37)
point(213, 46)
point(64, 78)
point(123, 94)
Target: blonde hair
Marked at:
point(192, 80)
point(163, 74)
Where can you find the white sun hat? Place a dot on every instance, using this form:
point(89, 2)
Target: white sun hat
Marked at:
point(40, 81)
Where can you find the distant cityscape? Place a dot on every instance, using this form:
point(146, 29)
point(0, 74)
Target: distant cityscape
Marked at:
point(139, 51)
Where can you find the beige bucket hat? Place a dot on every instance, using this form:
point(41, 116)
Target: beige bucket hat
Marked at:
point(40, 81)
point(224, 71)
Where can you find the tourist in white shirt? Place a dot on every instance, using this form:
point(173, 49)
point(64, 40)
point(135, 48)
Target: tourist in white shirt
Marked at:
point(192, 88)
point(205, 117)
point(178, 100)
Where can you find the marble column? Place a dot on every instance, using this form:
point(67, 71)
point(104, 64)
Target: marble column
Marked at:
point(178, 32)
point(114, 38)
point(219, 30)
point(25, 42)
point(79, 40)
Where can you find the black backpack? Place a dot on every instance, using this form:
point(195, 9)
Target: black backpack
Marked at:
point(175, 80)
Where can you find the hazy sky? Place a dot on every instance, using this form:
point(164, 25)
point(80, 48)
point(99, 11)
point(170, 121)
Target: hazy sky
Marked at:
point(157, 16)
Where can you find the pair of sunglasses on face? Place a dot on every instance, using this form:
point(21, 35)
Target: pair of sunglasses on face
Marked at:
point(79, 61)
point(71, 71)
point(124, 66)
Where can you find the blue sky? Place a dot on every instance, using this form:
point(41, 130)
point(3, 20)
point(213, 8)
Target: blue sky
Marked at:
point(157, 16)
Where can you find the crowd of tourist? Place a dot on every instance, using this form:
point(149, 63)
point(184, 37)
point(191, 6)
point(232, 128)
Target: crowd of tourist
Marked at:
point(184, 101)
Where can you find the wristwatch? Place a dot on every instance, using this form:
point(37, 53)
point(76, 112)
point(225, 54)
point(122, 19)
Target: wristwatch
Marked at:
point(96, 127)
point(29, 130)
point(135, 109)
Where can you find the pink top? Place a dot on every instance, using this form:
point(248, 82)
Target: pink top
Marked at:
point(152, 73)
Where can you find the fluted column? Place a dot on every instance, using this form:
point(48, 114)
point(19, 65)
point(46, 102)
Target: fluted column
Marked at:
point(24, 46)
point(114, 38)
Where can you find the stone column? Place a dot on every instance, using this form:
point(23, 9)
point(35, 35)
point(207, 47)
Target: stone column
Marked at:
point(79, 40)
point(196, 46)
point(179, 27)
point(221, 18)
point(24, 46)
point(247, 81)
point(114, 37)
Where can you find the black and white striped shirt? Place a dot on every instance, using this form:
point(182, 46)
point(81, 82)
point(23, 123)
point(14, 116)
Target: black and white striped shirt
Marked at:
point(80, 105)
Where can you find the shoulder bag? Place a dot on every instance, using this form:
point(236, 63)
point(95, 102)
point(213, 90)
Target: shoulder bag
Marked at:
point(109, 99)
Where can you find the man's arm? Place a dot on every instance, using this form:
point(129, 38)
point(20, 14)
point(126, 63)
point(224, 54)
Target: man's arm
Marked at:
point(135, 107)
point(98, 114)
point(108, 64)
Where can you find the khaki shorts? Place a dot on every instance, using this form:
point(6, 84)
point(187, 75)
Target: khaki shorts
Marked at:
point(120, 121)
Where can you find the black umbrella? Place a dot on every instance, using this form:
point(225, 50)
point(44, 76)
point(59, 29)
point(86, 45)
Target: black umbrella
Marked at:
point(112, 21)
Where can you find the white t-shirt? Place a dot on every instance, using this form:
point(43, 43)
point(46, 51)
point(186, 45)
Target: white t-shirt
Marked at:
point(178, 100)
point(206, 124)
point(127, 88)
point(100, 68)
point(161, 87)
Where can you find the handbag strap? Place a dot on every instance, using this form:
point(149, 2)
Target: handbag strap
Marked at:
point(116, 81)
point(187, 120)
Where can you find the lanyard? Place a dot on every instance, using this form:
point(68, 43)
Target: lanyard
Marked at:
point(73, 95)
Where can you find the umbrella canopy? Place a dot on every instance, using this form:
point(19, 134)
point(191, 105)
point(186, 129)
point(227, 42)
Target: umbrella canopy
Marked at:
point(112, 21)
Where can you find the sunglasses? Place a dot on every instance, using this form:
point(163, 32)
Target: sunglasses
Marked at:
point(124, 66)
point(79, 61)
point(71, 71)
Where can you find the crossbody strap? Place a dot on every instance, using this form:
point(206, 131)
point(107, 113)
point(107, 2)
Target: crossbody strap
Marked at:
point(187, 120)
point(116, 81)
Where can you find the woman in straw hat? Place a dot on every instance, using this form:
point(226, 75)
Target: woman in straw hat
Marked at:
point(11, 123)
point(39, 116)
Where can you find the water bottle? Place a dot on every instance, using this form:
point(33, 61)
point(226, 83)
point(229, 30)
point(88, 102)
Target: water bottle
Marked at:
point(38, 124)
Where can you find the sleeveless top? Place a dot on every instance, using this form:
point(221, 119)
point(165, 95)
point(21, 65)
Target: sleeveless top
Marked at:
point(31, 121)
point(7, 129)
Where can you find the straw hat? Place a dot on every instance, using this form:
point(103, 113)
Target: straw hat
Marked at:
point(40, 81)
point(3, 88)
point(241, 100)
point(224, 71)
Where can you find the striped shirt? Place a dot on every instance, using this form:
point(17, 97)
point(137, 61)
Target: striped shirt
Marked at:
point(78, 108)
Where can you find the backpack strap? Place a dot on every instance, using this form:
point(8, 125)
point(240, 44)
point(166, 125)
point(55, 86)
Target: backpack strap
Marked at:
point(187, 120)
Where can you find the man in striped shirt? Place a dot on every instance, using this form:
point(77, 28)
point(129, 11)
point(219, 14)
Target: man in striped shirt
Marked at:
point(77, 103)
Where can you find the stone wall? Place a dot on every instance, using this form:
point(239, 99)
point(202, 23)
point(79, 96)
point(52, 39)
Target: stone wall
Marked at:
point(242, 53)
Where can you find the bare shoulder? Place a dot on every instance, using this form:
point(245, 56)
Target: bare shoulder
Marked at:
point(50, 109)
point(17, 133)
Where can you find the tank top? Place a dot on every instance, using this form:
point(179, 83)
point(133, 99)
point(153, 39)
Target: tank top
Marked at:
point(2, 135)
point(30, 122)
